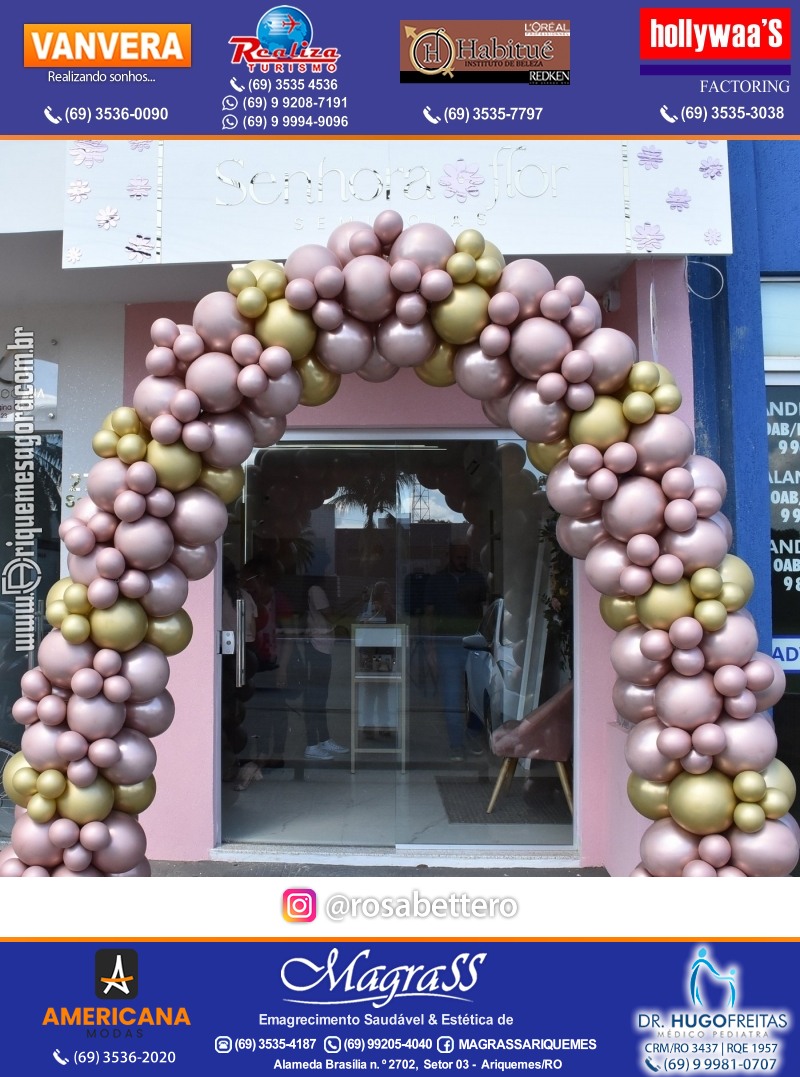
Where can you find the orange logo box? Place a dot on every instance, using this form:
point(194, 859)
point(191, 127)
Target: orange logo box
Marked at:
point(107, 45)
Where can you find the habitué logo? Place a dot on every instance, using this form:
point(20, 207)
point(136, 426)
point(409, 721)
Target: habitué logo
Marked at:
point(116, 974)
point(283, 44)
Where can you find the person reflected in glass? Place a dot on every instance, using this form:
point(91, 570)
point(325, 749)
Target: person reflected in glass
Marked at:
point(379, 703)
point(320, 622)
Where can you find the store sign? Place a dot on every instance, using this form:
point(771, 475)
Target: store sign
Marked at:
point(783, 434)
point(149, 202)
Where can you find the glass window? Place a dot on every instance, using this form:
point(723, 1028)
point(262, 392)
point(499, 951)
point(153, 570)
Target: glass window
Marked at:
point(780, 311)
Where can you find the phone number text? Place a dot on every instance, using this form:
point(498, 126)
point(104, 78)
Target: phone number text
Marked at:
point(113, 1058)
point(492, 113)
point(145, 114)
point(259, 122)
point(732, 112)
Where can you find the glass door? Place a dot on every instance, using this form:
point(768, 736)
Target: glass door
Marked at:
point(406, 613)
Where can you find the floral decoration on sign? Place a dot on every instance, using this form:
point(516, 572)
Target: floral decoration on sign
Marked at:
point(461, 180)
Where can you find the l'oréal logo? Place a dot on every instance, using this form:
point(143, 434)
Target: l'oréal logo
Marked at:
point(338, 982)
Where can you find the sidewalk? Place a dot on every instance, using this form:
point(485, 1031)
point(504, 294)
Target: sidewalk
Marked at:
point(249, 869)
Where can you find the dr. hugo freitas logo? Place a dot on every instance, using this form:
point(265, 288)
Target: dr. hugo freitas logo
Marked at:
point(713, 1026)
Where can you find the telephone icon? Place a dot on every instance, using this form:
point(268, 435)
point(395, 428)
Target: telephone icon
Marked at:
point(48, 112)
point(426, 112)
point(236, 85)
point(61, 1061)
point(666, 114)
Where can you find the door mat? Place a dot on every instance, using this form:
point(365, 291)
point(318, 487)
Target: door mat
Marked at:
point(466, 801)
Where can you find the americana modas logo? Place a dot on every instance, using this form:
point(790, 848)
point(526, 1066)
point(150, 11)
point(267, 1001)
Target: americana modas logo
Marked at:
point(116, 974)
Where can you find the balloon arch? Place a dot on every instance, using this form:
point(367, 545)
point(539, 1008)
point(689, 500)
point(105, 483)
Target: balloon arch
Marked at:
point(634, 503)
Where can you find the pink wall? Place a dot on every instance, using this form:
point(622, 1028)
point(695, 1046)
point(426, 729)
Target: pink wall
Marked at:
point(181, 822)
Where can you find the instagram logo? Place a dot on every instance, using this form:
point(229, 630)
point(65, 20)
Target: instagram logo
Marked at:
point(299, 906)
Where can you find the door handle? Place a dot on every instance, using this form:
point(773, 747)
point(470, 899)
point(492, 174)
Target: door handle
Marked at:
point(240, 652)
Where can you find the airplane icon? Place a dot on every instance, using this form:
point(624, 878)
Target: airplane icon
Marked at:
point(287, 24)
point(291, 23)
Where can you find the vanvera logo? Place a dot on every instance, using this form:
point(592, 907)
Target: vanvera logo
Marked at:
point(360, 980)
point(692, 33)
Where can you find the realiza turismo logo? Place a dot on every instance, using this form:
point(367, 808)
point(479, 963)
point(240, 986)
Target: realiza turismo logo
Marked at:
point(283, 44)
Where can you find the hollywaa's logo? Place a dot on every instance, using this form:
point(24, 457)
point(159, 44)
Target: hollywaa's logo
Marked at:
point(283, 43)
point(360, 980)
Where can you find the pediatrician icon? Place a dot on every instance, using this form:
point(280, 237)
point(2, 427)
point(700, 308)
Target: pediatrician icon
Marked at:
point(229, 122)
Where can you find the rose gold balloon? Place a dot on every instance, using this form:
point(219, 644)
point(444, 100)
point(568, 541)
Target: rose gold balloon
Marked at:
point(153, 396)
point(629, 662)
point(734, 644)
point(715, 849)
point(688, 662)
point(534, 420)
point(771, 851)
point(604, 565)
point(709, 739)
point(706, 472)
point(346, 348)
point(147, 670)
point(632, 702)
point(663, 443)
point(151, 716)
point(39, 745)
point(643, 756)
point(32, 845)
point(137, 758)
point(687, 702)
point(527, 280)
point(427, 245)
point(576, 537)
point(232, 440)
point(749, 744)
point(368, 292)
point(538, 346)
point(667, 848)
point(672, 742)
point(480, 376)
point(377, 369)
point(568, 493)
point(406, 345)
point(106, 479)
point(195, 561)
point(636, 508)
point(126, 848)
point(60, 660)
point(95, 718)
point(266, 431)
point(199, 517)
point(702, 546)
point(217, 320)
point(613, 354)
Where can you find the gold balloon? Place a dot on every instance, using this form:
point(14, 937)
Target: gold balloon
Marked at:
point(749, 785)
point(177, 467)
point(437, 370)
point(135, 798)
point(76, 598)
point(602, 425)
point(271, 279)
point(319, 383)
point(41, 809)
point(75, 628)
point(19, 779)
point(227, 483)
point(778, 776)
point(471, 242)
point(89, 804)
point(125, 421)
point(618, 611)
point(240, 278)
point(491, 251)
point(51, 784)
point(664, 603)
point(487, 271)
point(648, 798)
point(711, 614)
point(461, 267)
point(706, 583)
point(544, 456)
point(291, 329)
point(733, 569)
point(55, 612)
point(56, 592)
point(170, 634)
point(251, 302)
point(702, 803)
point(664, 375)
point(121, 627)
point(667, 398)
point(131, 447)
point(749, 818)
point(775, 804)
point(644, 376)
point(732, 597)
point(104, 443)
point(106, 423)
point(638, 407)
point(461, 317)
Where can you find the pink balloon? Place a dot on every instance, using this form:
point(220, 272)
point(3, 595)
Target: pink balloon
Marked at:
point(629, 662)
point(636, 508)
point(308, 260)
point(129, 505)
point(266, 430)
point(585, 460)
point(217, 320)
point(199, 517)
point(688, 662)
point(364, 242)
point(730, 680)
point(620, 457)
point(169, 589)
point(749, 745)
point(197, 437)
point(117, 689)
point(603, 484)
point(71, 746)
point(348, 347)
point(147, 670)
point(673, 742)
point(82, 772)
point(770, 696)
point(60, 660)
point(77, 859)
point(134, 583)
point(32, 845)
point(534, 420)
point(568, 492)
point(480, 376)
point(195, 561)
point(107, 662)
point(95, 718)
point(702, 546)
point(643, 550)
point(328, 282)
point(427, 245)
point(632, 702)
point(680, 515)
point(213, 378)
point(663, 443)
point(709, 739)
point(698, 869)
point(706, 472)
point(145, 544)
point(95, 835)
point(613, 354)
point(24, 711)
point(707, 501)
point(579, 397)
point(137, 758)
point(715, 849)
point(573, 287)
point(105, 752)
point(538, 347)
point(576, 537)
point(151, 397)
point(412, 308)
point(246, 350)
point(86, 682)
point(742, 705)
point(339, 240)
point(188, 346)
point(604, 565)
point(142, 476)
point(405, 275)
point(106, 479)
point(405, 345)
point(282, 395)
point(677, 482)
point(734, 644)
point(327, 314)
point(686, 632)
point(39, 744)
point(503, 308)
point(667, 848)
point(251, 381)
point(165, 429)
point(687, 702)
point(80, 540)
point(377, 369)
point(161, 362)
point(36, 686)
point(232, 440)
point(555, 304)
point(643, 756)
point(577, 366)
point(368, 293)
point(496, 411)
point(758, 674)
point(436, 285)
point(667, 568)
point(151, 716)
point(164, 332)
point(771, 851)
point(552, 386)
point(583, 319)
point(635, 580)
point(275, 361)
point(527, 280)
point(301, 294)
point(388, 225)
point(126, 848)
point(63, 833)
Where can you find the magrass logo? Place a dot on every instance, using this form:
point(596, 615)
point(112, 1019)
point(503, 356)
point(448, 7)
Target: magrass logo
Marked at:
point(116, 974)
point(283, 44)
